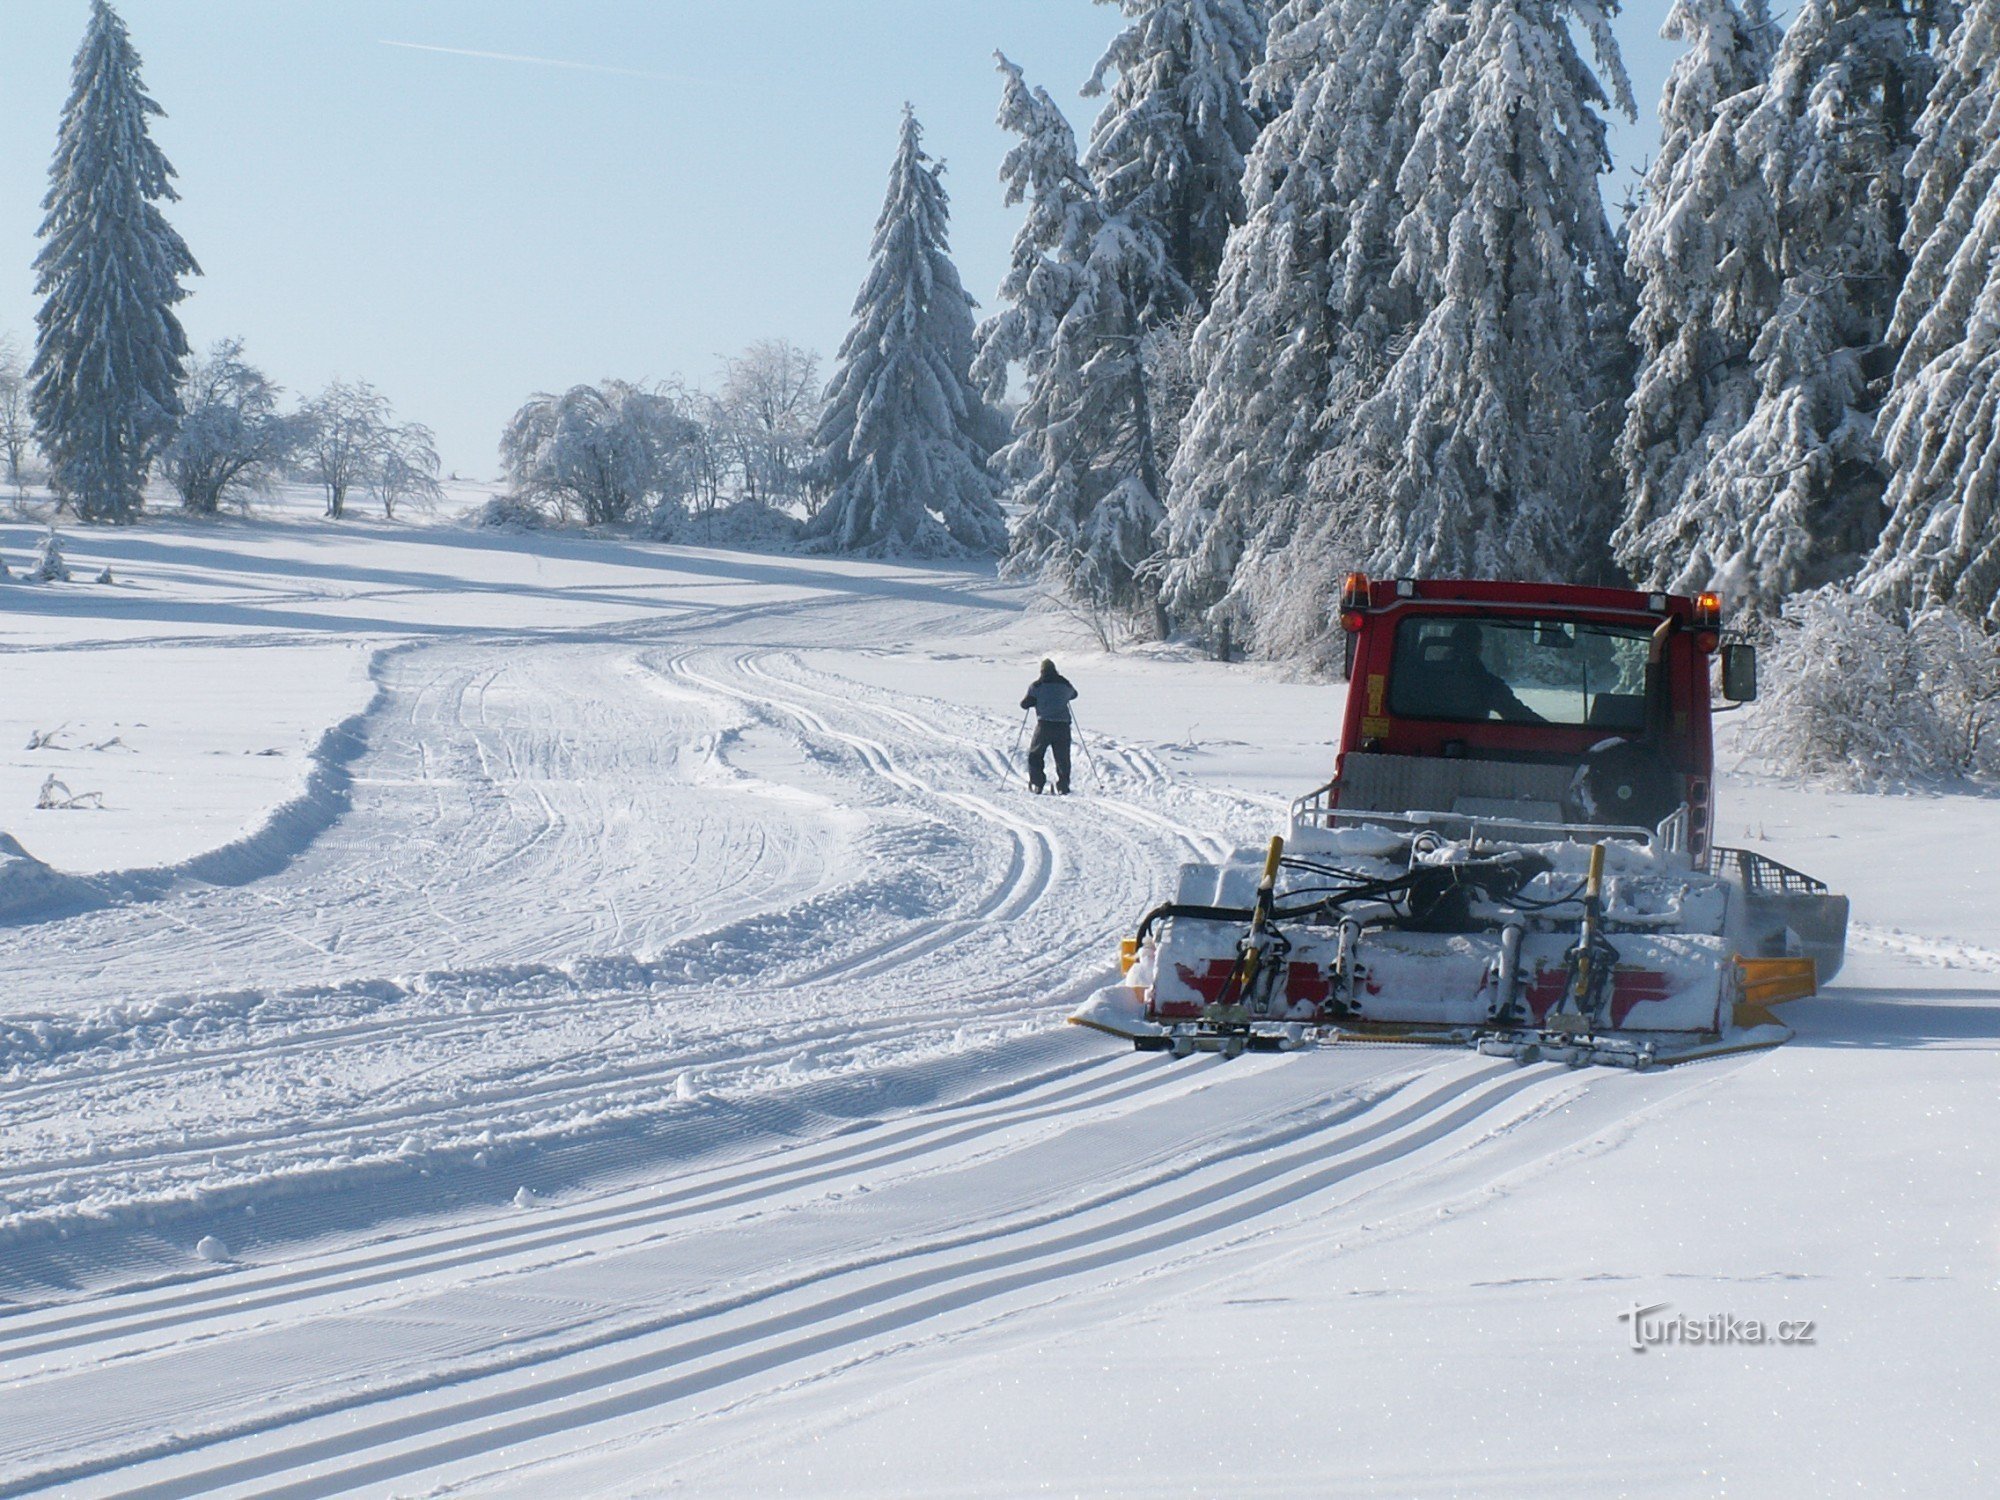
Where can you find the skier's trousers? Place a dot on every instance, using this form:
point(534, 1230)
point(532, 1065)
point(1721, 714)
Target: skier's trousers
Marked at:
point(1050, 734)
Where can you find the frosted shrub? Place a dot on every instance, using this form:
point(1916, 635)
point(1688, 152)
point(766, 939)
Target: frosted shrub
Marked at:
point(511, 511)
point(1961, 688)
point(1857, 699)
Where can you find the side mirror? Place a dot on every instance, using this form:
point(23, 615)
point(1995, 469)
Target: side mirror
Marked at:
point(1739, 673)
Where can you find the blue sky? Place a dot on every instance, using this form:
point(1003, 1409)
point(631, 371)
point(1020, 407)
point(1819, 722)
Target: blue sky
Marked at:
point(464, 230)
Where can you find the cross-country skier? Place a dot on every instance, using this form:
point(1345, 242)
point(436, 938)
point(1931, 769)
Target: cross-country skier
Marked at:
point(1050, 698)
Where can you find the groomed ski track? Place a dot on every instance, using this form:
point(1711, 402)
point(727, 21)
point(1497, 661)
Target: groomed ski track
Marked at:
point(662, 1018)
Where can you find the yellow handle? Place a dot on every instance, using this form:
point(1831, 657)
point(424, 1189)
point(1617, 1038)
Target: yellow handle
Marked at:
point(1594, 887)
point(1271, 863)
point(1253, 946)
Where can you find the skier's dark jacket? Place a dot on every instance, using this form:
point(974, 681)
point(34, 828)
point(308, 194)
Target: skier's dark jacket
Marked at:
point(1050, 698)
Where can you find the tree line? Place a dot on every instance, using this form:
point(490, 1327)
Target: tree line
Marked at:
point(1332, 285)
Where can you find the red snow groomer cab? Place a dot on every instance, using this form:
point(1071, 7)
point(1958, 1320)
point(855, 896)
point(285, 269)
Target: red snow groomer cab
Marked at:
point(1515, 851)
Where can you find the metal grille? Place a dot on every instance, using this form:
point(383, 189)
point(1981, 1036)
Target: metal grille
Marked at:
point(1759, 873)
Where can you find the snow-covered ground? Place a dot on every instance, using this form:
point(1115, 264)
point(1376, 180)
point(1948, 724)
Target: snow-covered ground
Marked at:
point(559, 1016)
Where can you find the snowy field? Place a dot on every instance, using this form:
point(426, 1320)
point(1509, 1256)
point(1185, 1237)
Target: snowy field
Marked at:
point(562, 1016)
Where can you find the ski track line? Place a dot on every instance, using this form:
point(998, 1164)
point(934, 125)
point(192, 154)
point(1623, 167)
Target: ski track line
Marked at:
point(470, 1107)
point(554, 1086)
point(480, 834)
point(28, 1334)
point(1033, 867)
point(1250, 1179)
point(1202, 845)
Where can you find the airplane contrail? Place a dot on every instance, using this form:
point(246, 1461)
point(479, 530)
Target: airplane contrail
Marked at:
point(544, 62)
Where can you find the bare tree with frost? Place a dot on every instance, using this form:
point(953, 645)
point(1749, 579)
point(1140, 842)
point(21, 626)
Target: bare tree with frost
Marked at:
point(232, 439)
point(1084, 290)
point(603, 453)
point(1940, 426)
point(17, 422)
point(405, 471)
point(904, 439)
point(1793, 498)
point(1305, 314)
point(109, 352)
point(763, 418)
point(343, 429)
point(1697, 256)
point(1169, 146)
point(1484, 448)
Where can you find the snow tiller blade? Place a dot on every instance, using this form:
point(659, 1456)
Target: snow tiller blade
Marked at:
point(1601, 953)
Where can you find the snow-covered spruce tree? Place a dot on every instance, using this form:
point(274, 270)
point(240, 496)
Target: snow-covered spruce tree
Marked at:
point(1485, 448)
point(109, 351)
point(1304, 314)
point(904, 440)
point(1793, 498)
point(1083, 289)
point(1697, 257)
point(1940, 427)
point(1168, 148)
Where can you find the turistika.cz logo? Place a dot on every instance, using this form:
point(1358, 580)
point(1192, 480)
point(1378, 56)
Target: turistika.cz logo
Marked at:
point(1653, 1327)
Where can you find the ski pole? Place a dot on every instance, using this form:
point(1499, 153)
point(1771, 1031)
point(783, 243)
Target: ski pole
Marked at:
point(1020, 738)
point(1083, 745)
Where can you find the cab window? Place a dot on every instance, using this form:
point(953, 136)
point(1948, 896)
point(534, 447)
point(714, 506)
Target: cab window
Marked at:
point(1520, 671)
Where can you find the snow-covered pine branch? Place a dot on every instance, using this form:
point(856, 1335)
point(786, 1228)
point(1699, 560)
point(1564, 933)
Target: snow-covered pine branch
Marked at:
point(49, 564)
point(1169, 146)
point(1084, 291)
point(904, 440)
point(1697, 257)
point(110, 352)
point(1798, 193)
point(1940, 427)
point(1483, 449)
